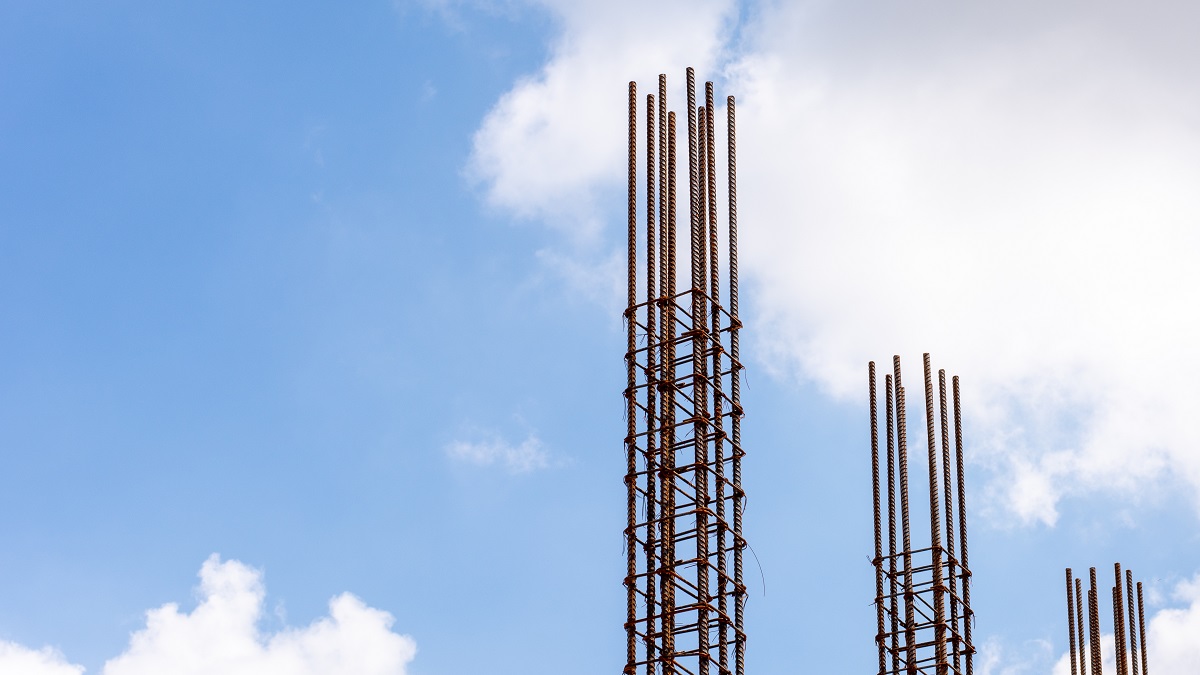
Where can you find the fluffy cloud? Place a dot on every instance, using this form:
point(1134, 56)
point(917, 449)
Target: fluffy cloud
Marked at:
point(526, 456)
point(1010, 187)
point(221, 635)
point(17, 659)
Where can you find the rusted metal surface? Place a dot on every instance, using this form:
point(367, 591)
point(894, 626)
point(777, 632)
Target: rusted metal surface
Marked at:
point(686, 595)
point(1127, 658)
point(914, 634)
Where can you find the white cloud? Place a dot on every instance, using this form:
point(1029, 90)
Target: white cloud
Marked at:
point(18, 660)
point(526, 456)
point(1172, 647)
point(1008, 186)
point(221, 635)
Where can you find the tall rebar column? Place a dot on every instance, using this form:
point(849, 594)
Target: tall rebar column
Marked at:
point(684, 583)
point(1129, 661)
point(914, 633)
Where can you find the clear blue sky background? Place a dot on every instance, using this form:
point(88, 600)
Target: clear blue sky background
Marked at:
point(248, 297)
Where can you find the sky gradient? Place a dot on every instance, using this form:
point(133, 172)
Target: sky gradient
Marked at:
point(311, 321)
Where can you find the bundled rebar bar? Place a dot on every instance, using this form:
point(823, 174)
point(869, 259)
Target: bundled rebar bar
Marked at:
point(913, 586)
point(1126, 636)
point(684, 582)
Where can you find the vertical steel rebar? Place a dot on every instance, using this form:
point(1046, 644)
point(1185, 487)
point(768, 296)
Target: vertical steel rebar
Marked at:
point(1071, 621)
point(667, 569)
point(948, 495)
point(735, 389)
point(878, 560)
point(1142, 630)
point(1094, 624)
point(893, 602)
point(935, 524)
point(631, 400)
point(1133, 626)
point(968, 615)
point(1118, 647)
point(650, 550)
point(1119, 621)
point(1079, 621)
point(910, 642)
point(718, 425)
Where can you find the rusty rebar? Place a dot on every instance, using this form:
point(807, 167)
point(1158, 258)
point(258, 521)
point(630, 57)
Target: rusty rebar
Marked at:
point(1142, 630)
point(935, 524)
point(1071, 621)
point(735, 389)
point(910, 658)
point(1119, 621)
point(1094, 624)
point(679, 618)
point(650, 549)
point(1079, 621)
point(894, 605)
point(631, 400)
point(968, 615)
point(948, 496)
point(1133, 642)
point(878, 560)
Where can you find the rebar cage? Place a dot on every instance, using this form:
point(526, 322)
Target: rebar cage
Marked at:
point(914, 634)
point(685, 594)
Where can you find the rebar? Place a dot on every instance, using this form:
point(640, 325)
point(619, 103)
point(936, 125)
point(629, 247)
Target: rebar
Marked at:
point(929, 643)
point(1071, 622)
point(1128, 659)
point(685, 610)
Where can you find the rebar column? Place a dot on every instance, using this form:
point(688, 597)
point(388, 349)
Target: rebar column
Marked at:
point(1071, 621)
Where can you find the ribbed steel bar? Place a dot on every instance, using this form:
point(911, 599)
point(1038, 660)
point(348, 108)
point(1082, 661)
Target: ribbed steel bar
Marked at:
point(1142, 630)
point(1119, 621)
point(880, 640)
point(1133, 641)
point(735, 389)
point(935, 523)
point(948, 496)
point(1071, 621)
point(699, 311)
point(631, 400)
point(968, 615)
point(718, 406)
point(894, 605)
point(1094, 624)
point(650, 550)
point(910, 655)
point(1118, 638)
point(1079, 622)
point(667, 568)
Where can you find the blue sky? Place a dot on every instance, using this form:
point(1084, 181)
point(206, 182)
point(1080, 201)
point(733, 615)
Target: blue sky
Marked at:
point(328, 290)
